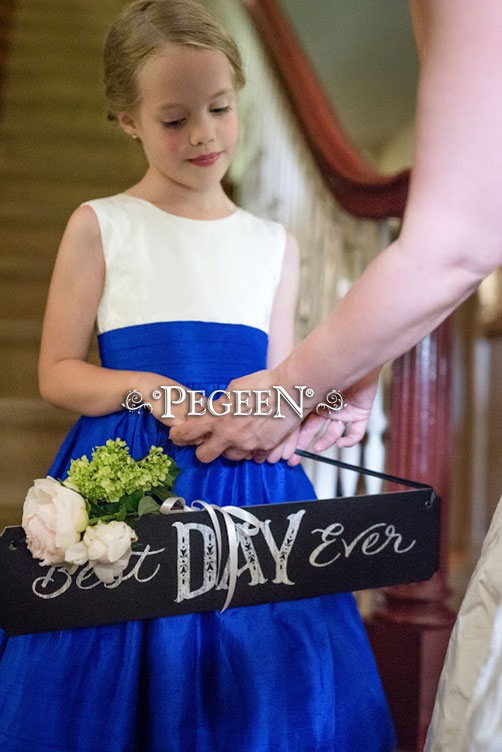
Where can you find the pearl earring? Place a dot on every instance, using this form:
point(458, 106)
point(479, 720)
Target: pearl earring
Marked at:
point(134, 135)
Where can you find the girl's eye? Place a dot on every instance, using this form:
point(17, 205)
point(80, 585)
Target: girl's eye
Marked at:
point(174, 123)
point(221, 110)
point(179, 123)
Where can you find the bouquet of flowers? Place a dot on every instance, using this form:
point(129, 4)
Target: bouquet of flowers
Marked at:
point(83, 519)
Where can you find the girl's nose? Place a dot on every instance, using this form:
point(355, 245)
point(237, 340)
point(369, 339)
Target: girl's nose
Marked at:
point(201, 132)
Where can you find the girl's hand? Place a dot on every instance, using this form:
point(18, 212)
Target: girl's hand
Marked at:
point(149, 382)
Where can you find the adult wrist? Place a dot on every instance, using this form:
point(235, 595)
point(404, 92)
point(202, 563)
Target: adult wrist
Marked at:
point(286, 375)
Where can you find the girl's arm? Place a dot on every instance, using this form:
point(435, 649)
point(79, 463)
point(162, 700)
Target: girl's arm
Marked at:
point(282, 340)
point(421, 16)
point(65, 378)
point(282, 330)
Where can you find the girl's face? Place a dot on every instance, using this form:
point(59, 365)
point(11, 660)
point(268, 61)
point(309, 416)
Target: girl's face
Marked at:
point(187, 111)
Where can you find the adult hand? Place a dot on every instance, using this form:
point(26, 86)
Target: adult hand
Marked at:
point(359, 400)
point(239, 435)
point(329, 428)
point(283, 451)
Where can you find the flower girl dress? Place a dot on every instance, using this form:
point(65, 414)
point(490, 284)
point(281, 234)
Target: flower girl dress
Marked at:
point(191, 300)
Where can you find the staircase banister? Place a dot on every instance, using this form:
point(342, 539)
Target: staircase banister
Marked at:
point(354, 182)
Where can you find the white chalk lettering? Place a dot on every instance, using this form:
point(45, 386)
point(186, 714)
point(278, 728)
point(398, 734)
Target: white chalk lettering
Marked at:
point(371, 541)
point(86, 579)
point(281, 554)
point(252, 564)
point(183, 564)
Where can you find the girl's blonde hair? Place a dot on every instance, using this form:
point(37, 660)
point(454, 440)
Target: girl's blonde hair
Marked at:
point(142, 28)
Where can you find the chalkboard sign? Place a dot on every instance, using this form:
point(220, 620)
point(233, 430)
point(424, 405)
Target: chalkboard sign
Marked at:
point(191, 562)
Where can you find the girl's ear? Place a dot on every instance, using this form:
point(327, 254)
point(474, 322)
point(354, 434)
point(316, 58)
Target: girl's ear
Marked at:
point(127, 123)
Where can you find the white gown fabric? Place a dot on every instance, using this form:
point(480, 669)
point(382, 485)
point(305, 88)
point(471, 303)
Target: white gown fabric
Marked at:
point(224, 270)
point(467, 714)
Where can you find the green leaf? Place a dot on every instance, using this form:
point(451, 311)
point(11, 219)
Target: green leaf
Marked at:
point(131, 500)
point(172, 474)
point(121, 514)
point(161, 492)
point(147, 505)
point(102, 518)
point(111, 507)
point(135, 496)
point(96, 510)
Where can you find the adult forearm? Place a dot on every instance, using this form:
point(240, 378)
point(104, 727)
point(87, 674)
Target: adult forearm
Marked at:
point(400, 298)
point(452, 229)
point(93, 390)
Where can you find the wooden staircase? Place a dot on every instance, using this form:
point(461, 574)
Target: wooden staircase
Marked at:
point(57, 149)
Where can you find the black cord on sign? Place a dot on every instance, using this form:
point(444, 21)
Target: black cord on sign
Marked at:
point(359, 469)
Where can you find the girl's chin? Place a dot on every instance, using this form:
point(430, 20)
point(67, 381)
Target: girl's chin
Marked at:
point(206, 175)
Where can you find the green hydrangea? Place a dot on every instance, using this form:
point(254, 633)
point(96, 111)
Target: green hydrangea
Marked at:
point(112, 472)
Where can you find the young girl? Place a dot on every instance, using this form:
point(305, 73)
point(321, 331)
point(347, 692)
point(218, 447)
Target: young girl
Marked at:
point(186, 288)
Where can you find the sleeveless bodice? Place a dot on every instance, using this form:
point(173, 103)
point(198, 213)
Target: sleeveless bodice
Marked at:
point(189, 299)
point(162, 267)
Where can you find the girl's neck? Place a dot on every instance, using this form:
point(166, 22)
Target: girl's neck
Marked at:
point(211, 205)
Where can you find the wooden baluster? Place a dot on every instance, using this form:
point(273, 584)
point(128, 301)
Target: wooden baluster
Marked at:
point(410, 631)
point(374, 452)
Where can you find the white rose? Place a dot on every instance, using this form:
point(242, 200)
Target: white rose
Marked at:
point(53, 518)
point(76, 554)
point(108, 548)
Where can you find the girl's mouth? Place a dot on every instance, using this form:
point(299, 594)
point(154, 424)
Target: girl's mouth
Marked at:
point(206, 159)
